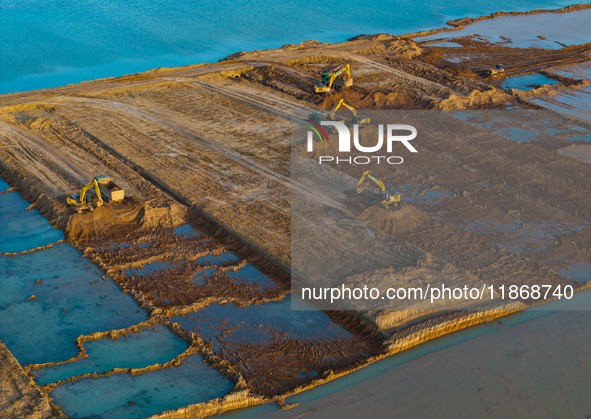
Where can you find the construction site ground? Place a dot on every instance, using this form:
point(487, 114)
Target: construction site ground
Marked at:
point(211, 145)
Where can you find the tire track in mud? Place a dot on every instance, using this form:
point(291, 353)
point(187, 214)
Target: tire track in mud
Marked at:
point(399, 73)
point(274, 105)
point(61, 164)
point(224, 151)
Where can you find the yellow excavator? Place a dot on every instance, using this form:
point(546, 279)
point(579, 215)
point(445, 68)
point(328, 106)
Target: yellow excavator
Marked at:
point(318, 117)
point(386, 198)
point(357, 119)
point(327, 80)
point(103, 186)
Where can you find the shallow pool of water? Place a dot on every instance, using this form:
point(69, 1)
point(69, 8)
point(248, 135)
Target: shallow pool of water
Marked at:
point(156, 345)
point(51, 297)
point(579, 272)
point(527, 81)
point(250, 274)
point(138, 396)
point(223, 258)
point(23, 229)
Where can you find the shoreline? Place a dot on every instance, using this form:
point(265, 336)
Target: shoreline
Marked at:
point(455, 23)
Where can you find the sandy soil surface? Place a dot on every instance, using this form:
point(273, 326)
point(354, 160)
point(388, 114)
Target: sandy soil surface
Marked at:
point(211, 145)
point(19, 396)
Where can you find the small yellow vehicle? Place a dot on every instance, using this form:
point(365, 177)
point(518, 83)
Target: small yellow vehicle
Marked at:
point(357, 119)
point(327, 81)
point(386, 198)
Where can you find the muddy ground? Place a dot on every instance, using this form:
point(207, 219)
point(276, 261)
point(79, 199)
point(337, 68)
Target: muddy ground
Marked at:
point(211, 145)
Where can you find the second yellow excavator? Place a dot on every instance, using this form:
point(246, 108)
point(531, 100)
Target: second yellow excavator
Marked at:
point(328, 79)
point(385, 197)
point(357, 119)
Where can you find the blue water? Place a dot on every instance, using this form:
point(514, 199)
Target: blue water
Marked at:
point(156, 345)
point(222, 258)
point(23, 229)
point(49, 43)
point(527, 82)
point(72, 299)
point(149, 268)
point(136, 396)
point(251, 274)
point(48, 298)
point(3, 185)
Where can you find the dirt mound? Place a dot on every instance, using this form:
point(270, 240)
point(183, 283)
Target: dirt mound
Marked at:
point(306, 44)
point(393, 48)
point(123, 217)
point(388, 222)
point(476, 100)
point(279, 80)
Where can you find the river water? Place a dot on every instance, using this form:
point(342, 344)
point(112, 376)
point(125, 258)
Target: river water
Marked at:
point(50, 43)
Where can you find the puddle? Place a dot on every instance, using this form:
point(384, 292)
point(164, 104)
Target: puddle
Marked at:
point(575, 71)
point(527, 82)
point(525, 125)
point(201, 276)
point(149, 268)
point(492, 227)
point(258, 323)
point(537, 237)
point(446, 44)
point(138, 396)
point(156, 345)
point(23, 230)
point(251, 274)
point(585, 138)
point(187, 231)
point(221, 259)
point(579, 272)
point(457, 59)
point(420, 195)
point(71, 299)
point(575, 103)
point(522, 135)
